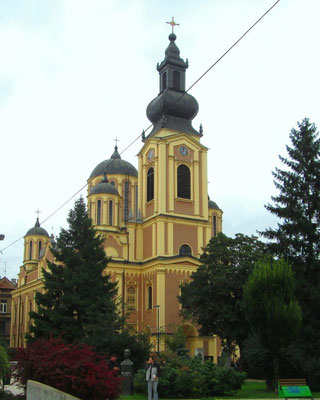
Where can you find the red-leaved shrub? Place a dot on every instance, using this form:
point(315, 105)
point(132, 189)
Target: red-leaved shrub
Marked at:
point(74, 369)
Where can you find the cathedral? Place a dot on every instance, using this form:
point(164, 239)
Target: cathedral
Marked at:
point(155, 220)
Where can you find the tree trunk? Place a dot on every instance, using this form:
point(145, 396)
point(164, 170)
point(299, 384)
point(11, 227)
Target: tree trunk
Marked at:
point(276, 372)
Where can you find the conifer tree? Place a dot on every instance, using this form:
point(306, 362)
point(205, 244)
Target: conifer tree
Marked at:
point(78, 301)
point(297, 236)
point(298, 203)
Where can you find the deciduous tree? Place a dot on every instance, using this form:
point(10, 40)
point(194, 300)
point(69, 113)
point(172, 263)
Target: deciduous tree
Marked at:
point(214, 297)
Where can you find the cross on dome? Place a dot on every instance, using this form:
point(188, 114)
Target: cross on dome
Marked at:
point(38, 212)
point(116, 140)
point(173, 24)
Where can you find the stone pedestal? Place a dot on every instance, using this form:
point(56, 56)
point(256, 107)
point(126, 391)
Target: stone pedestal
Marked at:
point(127, 374)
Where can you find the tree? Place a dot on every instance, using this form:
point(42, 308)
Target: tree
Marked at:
point(71, 368)
point(4, 365)
point(298, 203)
point(271, 309)
point(297, 236)
point(138, 343)
point(214, 298)
point(176, 343)
point(78, 302)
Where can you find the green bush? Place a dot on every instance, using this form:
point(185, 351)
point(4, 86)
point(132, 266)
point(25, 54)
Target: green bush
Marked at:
point(188, 377)
point(4, 363)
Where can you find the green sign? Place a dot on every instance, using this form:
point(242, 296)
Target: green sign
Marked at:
point(294, 391)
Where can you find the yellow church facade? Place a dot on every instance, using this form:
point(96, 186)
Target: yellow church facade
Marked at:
point(155, 221)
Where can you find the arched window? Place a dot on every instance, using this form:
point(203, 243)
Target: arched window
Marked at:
point(39, 248)
point(90, 210)
point(150, 184)
point(30, 250)
point(184, 182)
point(150, 298)
point(185, 250)
point(164, 81)
point(110, 212)
point(99, 212)
point(113, 183)
point(214, 226)
point(131, 298)
point(176, 80)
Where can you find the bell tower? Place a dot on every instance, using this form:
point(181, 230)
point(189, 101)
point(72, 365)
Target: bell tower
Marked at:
point(172, 184)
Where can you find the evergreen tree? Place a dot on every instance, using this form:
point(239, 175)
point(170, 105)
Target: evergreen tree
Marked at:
point(297, 236)
point(214, 297)
point(298, 203)
point(78, 301)
point(271, 309)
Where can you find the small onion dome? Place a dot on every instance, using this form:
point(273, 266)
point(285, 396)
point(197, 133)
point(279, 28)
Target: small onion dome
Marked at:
point(104, 187)
point(37, 230)
point(213, 205)
point(114, 166)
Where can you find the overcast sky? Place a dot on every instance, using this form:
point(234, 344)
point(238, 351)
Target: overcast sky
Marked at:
point(75, 74)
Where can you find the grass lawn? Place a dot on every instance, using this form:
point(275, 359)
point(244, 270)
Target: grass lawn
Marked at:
point(250, 390)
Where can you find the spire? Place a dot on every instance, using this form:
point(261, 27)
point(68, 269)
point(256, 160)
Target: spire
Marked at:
point(116, 154)
point(173, 108)
point(139, 217)
point(37, 224)
point(173, 59)
point(130, 216)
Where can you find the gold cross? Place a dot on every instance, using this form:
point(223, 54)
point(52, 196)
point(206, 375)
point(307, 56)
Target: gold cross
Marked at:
point(38, 212)
point(172, 23)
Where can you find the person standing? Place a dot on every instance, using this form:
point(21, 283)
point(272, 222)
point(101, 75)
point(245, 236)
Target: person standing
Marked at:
point(152, 377)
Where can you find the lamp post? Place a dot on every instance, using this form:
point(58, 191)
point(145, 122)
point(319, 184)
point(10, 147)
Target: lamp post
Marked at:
point(157, 306)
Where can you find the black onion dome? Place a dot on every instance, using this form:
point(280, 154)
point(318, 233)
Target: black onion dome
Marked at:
point(37, 230)
point(114, 166)
point(104, 187)
point(172, 103)
point(213, 205)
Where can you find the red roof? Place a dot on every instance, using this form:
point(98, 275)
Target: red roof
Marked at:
point(6, 284)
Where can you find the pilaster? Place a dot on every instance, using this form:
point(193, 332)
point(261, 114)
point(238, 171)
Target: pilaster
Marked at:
point(161, 296)
point(162, 177)
point(204, 184)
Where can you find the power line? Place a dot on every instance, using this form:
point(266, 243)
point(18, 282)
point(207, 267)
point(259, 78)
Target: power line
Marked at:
point(234, 44)
point(145, 130)
point(209, 69)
